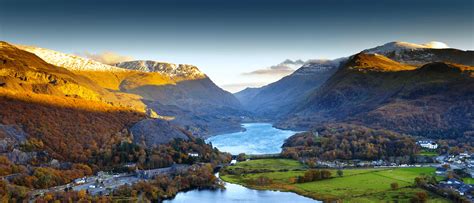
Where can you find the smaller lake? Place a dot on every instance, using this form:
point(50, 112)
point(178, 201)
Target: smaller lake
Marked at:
point(259, 138)
point(237, 193)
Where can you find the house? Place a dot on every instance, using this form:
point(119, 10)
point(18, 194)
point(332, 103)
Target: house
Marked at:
point(192, 154)
point(441, 171)
point(453, 181)
point(80, 180)
point(429, 144)
point(465, 189)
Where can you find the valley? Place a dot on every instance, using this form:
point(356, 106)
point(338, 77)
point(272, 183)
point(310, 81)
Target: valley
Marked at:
point(67, 120)
point(211, 101)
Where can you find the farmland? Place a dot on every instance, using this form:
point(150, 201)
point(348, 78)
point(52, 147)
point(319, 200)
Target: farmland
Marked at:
point(355, 185)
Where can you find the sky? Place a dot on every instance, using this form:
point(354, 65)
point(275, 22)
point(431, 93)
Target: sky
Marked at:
point(230, 39)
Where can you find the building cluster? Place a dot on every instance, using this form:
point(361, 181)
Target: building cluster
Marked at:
point(463, 189)
point(462, 161)
point(463, 166)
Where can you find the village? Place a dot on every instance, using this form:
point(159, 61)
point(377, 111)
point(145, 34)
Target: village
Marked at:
point(456, 172)
point(103, 183)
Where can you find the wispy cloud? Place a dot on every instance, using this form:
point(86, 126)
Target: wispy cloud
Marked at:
point(284, 68)
point(106, 57)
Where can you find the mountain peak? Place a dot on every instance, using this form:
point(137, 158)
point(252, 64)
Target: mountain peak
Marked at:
point(170, 69)
point(398, 46)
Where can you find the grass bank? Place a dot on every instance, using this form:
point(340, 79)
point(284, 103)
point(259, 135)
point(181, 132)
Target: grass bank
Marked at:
point(355, 185)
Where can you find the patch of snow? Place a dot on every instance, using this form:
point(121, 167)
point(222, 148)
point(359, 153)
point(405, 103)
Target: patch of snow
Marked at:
point(68, 61)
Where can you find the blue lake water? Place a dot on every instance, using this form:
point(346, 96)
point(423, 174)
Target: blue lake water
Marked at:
point(259, 138)
point(237, 193)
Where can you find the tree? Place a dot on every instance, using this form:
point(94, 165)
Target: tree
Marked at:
point(81, 194)
point(420, 197)
point(394, 185)
point(340, 173)
point(241, 157)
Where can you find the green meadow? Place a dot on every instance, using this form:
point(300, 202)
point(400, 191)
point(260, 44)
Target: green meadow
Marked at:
point(355, 185)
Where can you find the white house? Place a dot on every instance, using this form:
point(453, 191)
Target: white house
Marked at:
point(427, 144)
point(193, 154)
point(80, 180)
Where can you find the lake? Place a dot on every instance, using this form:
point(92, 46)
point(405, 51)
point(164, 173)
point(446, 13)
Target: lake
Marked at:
point(236, 193)
point(259, 138)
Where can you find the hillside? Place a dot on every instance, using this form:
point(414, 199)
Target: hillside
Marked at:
point(434, 100)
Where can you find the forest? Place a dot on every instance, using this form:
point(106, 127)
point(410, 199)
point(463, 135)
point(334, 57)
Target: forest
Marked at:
point(115, 159)
point(345, 142)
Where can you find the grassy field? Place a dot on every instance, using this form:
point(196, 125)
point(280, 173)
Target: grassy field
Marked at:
point(356, 185)
point(468, 180)
point(428, 153)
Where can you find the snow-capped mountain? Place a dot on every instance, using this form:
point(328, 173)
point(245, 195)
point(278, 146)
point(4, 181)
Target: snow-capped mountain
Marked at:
point(170, 69)
point(73, 62)
point(68, 61)
point(420, 54)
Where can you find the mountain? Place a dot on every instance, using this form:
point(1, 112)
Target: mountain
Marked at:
point(280, 97)
point(399, 86)
point(181, 93)
point(191, 87)
point(434, 100)
point(193, 100)
point(61, 114)
point(416, 54)
point(69, 108)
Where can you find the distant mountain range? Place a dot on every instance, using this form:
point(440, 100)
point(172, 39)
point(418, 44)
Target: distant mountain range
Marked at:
point(408, 88)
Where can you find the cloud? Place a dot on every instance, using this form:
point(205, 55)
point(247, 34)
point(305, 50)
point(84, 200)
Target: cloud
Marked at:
point(284, 68)
point(273, 70)
point(436, 45)
point(106, 57)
